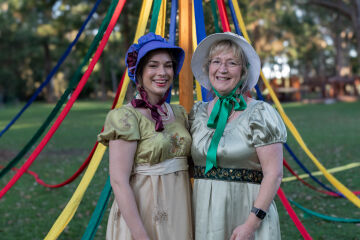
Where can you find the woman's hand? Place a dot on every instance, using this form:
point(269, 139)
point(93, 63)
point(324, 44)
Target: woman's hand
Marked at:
point(243, 232)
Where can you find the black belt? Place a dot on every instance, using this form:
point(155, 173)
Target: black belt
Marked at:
point(229, 174)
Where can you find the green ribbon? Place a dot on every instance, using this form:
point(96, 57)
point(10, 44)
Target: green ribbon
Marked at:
point(218, 118)
point(98, 212)
point(155, 15)
point(72, 84)
point(325, 217)
point(216, 20)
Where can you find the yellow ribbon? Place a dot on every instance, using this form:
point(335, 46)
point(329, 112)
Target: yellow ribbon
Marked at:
point(140, 30)
point(160, 27)
point(318, 173)
point(338, 185)
point(194, 43)
point(71, 207)
point(69, 211)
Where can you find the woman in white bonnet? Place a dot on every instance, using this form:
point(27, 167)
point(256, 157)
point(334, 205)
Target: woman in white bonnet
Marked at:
point(236, 147)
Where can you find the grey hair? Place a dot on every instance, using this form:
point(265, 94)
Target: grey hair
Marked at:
point(229, 46)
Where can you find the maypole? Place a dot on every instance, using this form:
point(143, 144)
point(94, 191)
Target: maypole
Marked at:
point(185, 35)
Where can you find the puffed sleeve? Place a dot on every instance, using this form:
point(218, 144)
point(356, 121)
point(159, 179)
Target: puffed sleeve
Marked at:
point(193, 112)
point(120, 123)
point(184, 115)
point(266, 126)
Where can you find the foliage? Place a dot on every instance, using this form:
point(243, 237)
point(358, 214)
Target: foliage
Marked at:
point(34, 35)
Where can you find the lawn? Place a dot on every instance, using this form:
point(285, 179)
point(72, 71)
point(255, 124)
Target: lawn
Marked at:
point(28, 210)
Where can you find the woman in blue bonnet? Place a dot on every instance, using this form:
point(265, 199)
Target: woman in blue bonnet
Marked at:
point(149, 144)
point(236, 147)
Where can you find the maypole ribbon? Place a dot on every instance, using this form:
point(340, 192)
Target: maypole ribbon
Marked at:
point(98, 213)
point(172, 31)
point(223, 16)
point(338, 185)
point(330, 170)
point(200, 35)
point(293, 215)
point(283, 199)
point(64, 97)
point(233, 16)
point(104, 197)
point(69, 104)
point(325, 217)
point(330, 191)
point(140, 30)
point(302, 166)
point(194, 45)
point(54, 70)
point(287, 166)
point(216, 20)
point(88, 159)
point(160, 26)
point(70, 209)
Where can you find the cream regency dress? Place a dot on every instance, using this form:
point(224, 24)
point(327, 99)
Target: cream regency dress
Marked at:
point(223, 198)
point(160, 179)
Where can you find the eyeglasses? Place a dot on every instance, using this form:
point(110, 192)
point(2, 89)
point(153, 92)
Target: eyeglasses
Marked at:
point(216, 63)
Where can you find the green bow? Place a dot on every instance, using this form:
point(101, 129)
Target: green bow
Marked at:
point(217, 120)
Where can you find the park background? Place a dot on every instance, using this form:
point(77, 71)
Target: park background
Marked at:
point(309, 52)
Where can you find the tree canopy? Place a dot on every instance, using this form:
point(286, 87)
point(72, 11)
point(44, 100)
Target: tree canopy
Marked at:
point(307, 37)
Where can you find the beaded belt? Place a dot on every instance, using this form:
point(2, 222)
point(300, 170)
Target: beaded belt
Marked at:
point(229, 174)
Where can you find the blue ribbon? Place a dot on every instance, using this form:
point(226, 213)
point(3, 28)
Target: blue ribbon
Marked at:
point(172, 32)
point(233, 15)
point(200, 35)
point(53, 71)
point(260, 97)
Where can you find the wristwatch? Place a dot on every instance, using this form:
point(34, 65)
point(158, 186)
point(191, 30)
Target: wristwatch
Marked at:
point(258, 212)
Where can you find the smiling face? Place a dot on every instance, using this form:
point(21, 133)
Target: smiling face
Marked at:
point(157, 74)
point(224, 72)
point(226, 66)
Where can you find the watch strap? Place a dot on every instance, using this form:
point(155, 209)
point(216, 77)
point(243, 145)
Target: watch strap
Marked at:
point(258, 212)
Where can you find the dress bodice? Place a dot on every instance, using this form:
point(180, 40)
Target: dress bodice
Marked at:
point(258, 125)
point(153, 147)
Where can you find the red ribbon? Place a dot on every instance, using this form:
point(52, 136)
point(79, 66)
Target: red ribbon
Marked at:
point(69, 104)
point(293, 215)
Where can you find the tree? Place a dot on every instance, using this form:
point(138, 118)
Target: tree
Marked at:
point(347, 8)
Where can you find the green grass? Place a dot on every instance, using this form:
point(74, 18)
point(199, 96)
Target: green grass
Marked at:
point(28, 210)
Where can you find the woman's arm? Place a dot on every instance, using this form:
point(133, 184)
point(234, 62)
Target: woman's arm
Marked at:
point(271, 160)
point(121, 155)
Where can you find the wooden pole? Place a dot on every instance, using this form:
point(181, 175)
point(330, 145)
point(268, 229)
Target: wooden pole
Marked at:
point(185, 34)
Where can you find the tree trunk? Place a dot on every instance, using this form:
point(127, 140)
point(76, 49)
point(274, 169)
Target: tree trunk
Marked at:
point(114, 80)
point(49, 95)
point(102, 90)
point(350, 11)
point(126, 29)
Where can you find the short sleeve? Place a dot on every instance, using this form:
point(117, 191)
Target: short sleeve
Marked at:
point(193, 112)
point(184, 115)
point(120, 123)
point(266, 126)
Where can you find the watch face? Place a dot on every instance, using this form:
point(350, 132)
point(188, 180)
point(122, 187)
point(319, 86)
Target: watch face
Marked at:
point(261, 214)
point(258, 212)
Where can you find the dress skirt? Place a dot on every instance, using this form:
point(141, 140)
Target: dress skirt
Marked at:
point(221, 206)
point(164, 205)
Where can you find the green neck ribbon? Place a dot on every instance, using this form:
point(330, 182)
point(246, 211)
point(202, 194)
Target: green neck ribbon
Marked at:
point(218, 118)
